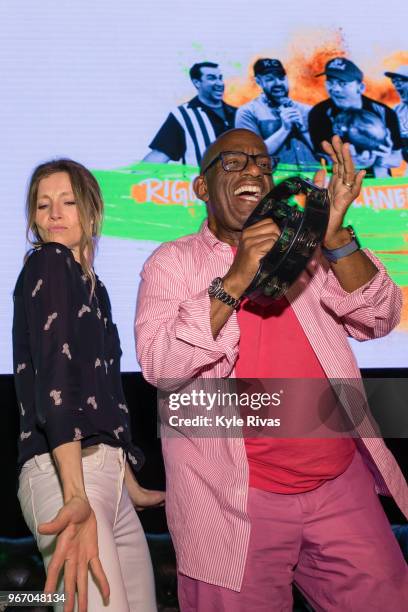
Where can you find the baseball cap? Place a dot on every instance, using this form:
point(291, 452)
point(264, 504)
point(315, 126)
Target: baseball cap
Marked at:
point(342, 68)
point(401, 71)
point(267, 65)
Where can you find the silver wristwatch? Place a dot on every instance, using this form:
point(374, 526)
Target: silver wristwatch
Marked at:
point(216, 290)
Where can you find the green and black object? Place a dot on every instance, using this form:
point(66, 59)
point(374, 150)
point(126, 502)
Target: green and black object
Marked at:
point(302, 231)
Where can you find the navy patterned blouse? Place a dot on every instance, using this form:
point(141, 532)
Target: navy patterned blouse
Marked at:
point(66, 359)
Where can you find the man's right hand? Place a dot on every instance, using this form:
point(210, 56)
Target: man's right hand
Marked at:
point(291, 117)
point(256, 241)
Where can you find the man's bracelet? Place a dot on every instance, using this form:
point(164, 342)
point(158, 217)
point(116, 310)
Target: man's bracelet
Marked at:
point(334, 255)
point(217, 291)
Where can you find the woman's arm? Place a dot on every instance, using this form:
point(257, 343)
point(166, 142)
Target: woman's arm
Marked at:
point(76, 531)
point(141, 498)
point(68, 460)
point(53, 307)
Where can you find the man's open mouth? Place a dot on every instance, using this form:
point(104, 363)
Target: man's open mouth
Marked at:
point(252, 193)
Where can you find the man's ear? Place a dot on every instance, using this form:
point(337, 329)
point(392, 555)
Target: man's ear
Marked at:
point(362, 87)
point(200, 188)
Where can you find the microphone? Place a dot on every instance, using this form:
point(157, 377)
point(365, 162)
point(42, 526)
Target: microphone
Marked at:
point(297, 126)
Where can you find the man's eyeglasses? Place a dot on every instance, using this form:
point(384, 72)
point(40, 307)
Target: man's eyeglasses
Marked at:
point(235, 161)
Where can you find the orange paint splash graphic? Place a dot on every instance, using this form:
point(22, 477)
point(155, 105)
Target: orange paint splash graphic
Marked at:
point(404, 316)
point(383, 90)
point(304, 60)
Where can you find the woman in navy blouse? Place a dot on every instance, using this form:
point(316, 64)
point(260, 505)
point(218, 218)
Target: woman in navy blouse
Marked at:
point(77, 464)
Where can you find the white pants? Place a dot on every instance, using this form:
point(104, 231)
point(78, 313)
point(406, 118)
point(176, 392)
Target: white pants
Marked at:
point(123, 549)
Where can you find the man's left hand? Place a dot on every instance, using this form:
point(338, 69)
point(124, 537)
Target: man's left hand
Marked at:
point(344, 187)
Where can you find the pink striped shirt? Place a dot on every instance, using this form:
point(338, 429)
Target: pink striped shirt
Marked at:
point(207, 478)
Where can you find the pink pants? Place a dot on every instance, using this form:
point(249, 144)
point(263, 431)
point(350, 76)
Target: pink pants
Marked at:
point(123, 548)
point(334, 542)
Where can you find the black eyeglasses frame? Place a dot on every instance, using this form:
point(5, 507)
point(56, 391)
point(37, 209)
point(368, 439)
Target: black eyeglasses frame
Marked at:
point(220, 156)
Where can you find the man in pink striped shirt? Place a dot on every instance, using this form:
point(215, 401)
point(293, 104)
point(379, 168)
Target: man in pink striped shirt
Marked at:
point(250, 516)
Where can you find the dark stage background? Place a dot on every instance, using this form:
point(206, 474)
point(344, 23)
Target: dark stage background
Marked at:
point(141, 399)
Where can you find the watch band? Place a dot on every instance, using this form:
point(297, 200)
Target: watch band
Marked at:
point(217, 291)
point(334, 255)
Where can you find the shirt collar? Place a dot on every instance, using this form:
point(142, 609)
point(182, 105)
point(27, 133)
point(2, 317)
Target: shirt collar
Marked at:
point(210, 240)
point(196, 103)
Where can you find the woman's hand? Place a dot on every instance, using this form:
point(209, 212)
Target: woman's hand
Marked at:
point(76, 552)
point(142, 498)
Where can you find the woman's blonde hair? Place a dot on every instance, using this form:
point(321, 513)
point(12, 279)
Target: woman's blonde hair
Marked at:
point(89, 203)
